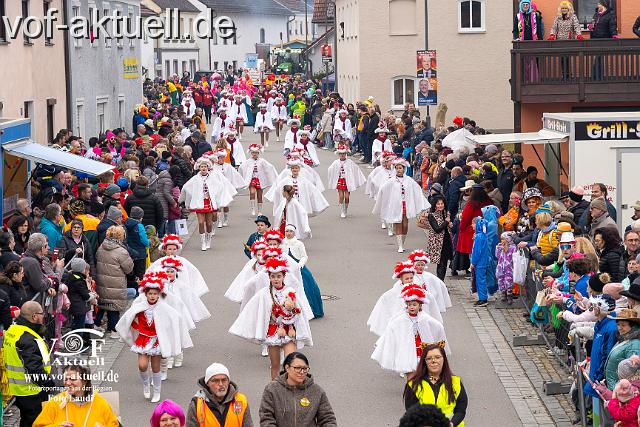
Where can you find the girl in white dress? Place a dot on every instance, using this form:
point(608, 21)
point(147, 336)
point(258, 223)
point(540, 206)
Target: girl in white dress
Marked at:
point(258, 174)
point(238, 113)
point(345, 176)
point(430, 281)
point(380, 144)
point(231, 174)
point(305, 171)
point(234, 146)
point(307, 148)
point(279, 116)
point(204, 195)
point(399, 200)
point(153, 330)
point(274, 317)
point(400, 347)
point(291, 211)
point(378, 177)
point(263, 124)
point(251, 268)
point(342, 126)
point(291, 137)
point(220, 125)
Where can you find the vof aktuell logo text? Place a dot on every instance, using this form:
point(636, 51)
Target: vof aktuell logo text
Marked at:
point(119, 26)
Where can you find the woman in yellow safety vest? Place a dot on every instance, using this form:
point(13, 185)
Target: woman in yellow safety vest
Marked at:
point(432, 383)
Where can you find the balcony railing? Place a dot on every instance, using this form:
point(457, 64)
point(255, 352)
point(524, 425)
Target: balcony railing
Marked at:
point(604, 70)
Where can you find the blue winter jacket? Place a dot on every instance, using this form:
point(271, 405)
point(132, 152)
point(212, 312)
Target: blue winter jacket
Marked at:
point(481, 252)
point(52, 231)
point(604, 338)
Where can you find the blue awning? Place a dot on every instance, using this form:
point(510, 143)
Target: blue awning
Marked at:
point(27, 149)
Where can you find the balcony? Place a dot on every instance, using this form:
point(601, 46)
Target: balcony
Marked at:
point(606, 70)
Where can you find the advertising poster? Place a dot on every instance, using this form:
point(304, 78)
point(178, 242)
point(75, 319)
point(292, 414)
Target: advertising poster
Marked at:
point(427, 74)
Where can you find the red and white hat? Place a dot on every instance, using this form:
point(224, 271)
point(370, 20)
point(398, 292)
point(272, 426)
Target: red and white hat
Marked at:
point(232, 130)
point(419, 255)
point(304, 133)
point(293, 121)
point(342, 149)
point(155, 280)
point(400, 161)
point(294, 153)
point(220, 153)
point(402, 268)
point(272, 252)
point(259, 244)
point(342, 111)
point(294, 161)
point(276, 265)
point(273, 234)
point(262, 105)
point(388, 155)
point(382, 128)
point(307, 128)
point(171, 239)
point(203, 161)
point(172, 263)
point(414, 292)
point(255, 148)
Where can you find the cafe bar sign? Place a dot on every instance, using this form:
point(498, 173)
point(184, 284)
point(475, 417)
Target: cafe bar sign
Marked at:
point(607, 131)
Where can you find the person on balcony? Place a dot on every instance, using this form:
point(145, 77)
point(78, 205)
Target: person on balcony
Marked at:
point(527, 24)
point(636, 27)
point(604, 25)
point(566, 25)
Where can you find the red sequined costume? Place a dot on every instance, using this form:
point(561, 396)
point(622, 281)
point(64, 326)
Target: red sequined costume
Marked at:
point(147, 340)
point(342, 180)
point(255, 181)
point(207, 199)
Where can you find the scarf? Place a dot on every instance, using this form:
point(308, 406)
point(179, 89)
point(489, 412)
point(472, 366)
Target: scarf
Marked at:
point(295, 136)
point(344, 123)
point(381, 138)
point(521, 25)
point(238, 105)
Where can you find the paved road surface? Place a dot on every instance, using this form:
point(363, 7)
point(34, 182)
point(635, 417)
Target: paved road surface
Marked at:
point(352, 260)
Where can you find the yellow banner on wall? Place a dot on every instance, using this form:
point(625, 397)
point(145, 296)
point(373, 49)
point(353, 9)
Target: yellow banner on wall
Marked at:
point(131, 68)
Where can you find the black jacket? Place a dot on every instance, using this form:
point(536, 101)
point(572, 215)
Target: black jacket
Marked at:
point(35, 279)
point(610, 263)
point(185, 171)
point(29, 353)
point(453, 194)
point(505, 185)
point(78, 294)
point(5, 309)
point(578, 210)
point(145, 198)
point(15, 291)
point(605, 25)
point(68, 248)
point(102, 228)
point(547, 259)
point(6, 256)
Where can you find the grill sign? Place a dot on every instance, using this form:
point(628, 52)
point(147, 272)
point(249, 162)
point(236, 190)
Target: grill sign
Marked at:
point(607, 131)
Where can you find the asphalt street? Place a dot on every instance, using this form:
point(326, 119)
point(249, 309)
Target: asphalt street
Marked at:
point(352, 259)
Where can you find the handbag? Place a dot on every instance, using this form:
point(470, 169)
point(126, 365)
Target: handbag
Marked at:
point(181, 227)
point(520, 263)
point(422, 221)
point(539, 311)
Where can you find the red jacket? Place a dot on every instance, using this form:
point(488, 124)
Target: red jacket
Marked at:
point(626, 413)
point(465, 235)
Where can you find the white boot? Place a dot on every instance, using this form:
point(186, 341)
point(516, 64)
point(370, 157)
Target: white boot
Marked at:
point(265, 351)
point(225, 219)
point(253, 207)
point(404, 238)
point(164, 368)
point(146, 385)
point(179, 359)
point(219, 221)
point(389, 230)
point(342, 211)
point(209, 239)
point(346, 208)
point(384, 225)
point(157, 386)
point(203, 241)
point(259, 208)
point(170, 362)
point(400, 244)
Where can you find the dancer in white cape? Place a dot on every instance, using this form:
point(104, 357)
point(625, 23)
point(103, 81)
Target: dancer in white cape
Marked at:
point(305, 192)
point(345, 176)
point(305, 171)
point(291, 211)
point(400, 347)
point(279, 116)
point(153, 330)
point(235, 291)
point(173, 267)
point(188, 103)
point(263, 124)
point(342, 126)
point(380, 144)
point(291, 137)
point(258, 174)
point(273, 317)
point(238, 112)
point(221, 125)
point(234, 146)
point(230, 174)
point(390, 304)
point(399, 200)
point(378, 177)
point(430, 281)
point(275, 239)
point(307, 148)
point(204, 195)
point(172, 246)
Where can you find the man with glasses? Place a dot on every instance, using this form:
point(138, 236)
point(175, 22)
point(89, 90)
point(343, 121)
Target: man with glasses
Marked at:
point(28, 362)
point(631, 250)
point(218, 402)
point(505, 179)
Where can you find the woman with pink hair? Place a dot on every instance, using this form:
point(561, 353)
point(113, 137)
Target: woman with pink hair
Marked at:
point(167, 414)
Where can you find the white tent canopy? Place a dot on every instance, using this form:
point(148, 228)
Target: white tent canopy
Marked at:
point(543, 136)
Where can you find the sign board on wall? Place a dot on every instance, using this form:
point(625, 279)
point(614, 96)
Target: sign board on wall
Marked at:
point(427, 74)
point(251, 60)
point(607, 131)
point(131, 68)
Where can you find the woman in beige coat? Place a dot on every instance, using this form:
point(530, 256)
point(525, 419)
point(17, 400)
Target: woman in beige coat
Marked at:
point(113, 263)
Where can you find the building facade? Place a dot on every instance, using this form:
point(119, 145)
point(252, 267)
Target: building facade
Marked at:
point(105, 73)
point(29, 92)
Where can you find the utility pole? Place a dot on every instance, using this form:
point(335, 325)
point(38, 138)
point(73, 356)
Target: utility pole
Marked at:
point(306, 37)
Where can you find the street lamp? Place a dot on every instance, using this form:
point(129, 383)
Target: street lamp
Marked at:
point(331, 13)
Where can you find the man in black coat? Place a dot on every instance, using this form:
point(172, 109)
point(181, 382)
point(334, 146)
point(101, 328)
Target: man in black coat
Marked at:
point(604, 22)
point(453, 190)
point(505, 179)
point(146, 199)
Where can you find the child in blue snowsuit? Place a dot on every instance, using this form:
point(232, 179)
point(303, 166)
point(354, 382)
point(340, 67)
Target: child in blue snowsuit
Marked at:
point(483, 258)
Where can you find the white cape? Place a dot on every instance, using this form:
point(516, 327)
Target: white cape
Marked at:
point(238, 151)
point(389, 200)
point(266, 172)
point(391, 303)
point(309, 150)
point(192, 193)
point(396, 348)
point(263, 121)
point(376, 179)
point(220, 128)
point(378, 147)
point(352, 173)
point(253, 321)
point(235, 291)
point(308, 172)
point(231, 174)
point(174, 300)
point(193, 275)
point(307, 194)
point(437, 287)
point(173, 335)
point(196, 307)
point(296, 215)
point(261, 280)
point(279, 113)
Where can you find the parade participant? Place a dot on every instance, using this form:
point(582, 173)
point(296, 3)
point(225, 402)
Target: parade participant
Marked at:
point(345, 176)
point(306, 148)
point(305, 192)
point(204, 195)
point(390, 303)
point(290, 211)
point(238, 113)
point(433, 383)
point(378, 177)
point(399, 200)
point(305, 171)
point(258, 174)
point(153, 330)
point(220, 125)
point(167, 414)
point(274, 317)
point(262, 225)
point(274, 239)
point(293, 380)
point(279, 116)
point(271, 97)
point(432, 283)
point(176, 282)
point(234, 146)
point(291, 137)
point(78, 404)
point(235, 292)
point(230, 174)
point(218, 403)
point(188, 103)
point(263, 124)
point(381, 143)
point(296, 249)
point(400, 347)
point(342, 126)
